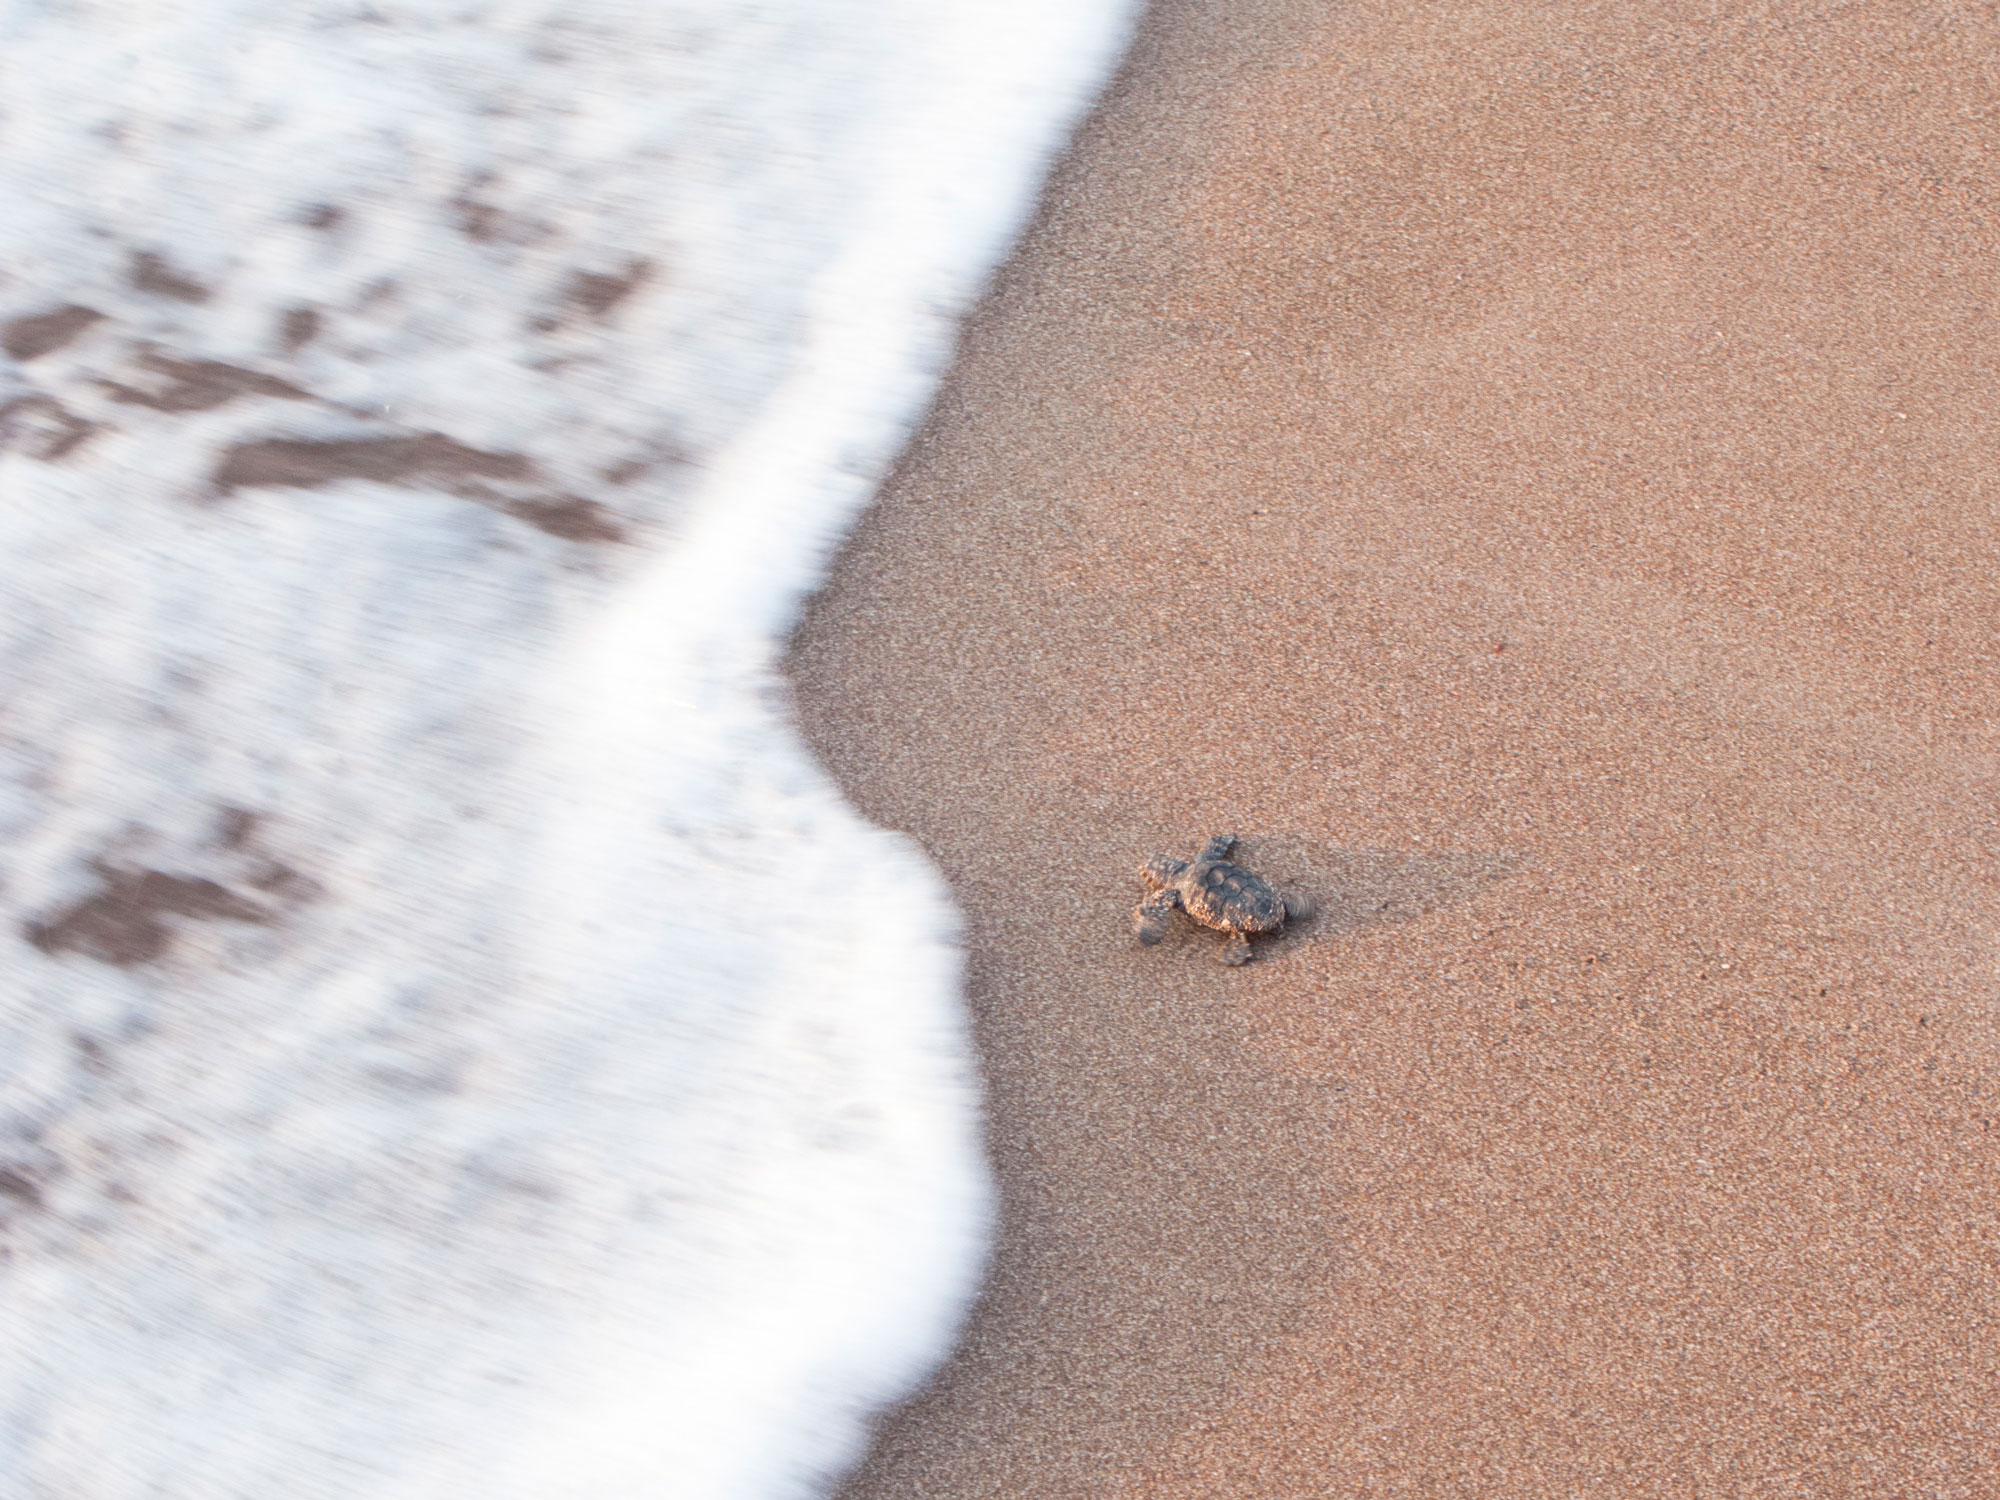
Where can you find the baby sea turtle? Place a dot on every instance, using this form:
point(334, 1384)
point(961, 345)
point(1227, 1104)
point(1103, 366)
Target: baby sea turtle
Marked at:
point(1216, 894)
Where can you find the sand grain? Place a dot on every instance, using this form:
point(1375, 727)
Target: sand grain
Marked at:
point(1530, 469)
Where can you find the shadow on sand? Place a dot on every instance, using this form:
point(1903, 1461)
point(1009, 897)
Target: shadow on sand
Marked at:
point(1351, 889)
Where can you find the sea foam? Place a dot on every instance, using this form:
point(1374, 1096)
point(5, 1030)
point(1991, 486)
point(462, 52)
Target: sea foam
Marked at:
point(454, 1041)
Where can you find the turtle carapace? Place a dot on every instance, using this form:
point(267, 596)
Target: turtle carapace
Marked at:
point(1216, 894)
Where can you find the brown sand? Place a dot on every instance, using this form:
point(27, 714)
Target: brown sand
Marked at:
point(1531, 470)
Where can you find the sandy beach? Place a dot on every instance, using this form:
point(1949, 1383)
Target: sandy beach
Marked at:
point(1530, 470)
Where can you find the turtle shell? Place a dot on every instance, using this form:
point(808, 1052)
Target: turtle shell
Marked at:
point(1226, 895)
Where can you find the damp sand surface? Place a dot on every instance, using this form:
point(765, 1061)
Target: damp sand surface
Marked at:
point(1530, 470)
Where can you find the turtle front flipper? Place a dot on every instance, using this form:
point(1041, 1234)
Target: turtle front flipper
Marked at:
point(1216, 848)
point(1297, 908)
point(1152, 915)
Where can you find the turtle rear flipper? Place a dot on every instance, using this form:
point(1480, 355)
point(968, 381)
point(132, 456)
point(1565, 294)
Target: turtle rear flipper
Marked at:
point(1216, 848)
point(1152, 916)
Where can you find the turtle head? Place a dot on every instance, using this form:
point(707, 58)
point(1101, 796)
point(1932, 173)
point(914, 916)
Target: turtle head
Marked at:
point(1161, 870)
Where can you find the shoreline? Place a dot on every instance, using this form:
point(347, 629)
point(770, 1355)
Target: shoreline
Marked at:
point(457, 1042)
point(1527, 475)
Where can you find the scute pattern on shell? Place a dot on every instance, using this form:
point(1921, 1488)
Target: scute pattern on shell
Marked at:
point(1214, 893)
point(1231, 897)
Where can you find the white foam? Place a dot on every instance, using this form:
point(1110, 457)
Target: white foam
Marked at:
point(587, 1112)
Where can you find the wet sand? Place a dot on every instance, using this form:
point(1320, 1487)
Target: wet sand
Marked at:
point(1531, 470)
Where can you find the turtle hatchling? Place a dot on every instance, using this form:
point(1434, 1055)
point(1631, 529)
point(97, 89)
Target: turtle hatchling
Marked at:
point(1216, 894)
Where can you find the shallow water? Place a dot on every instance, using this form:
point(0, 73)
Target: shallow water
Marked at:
point(454, 1039)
